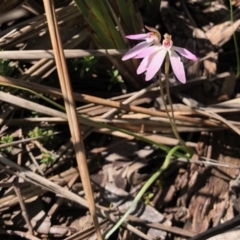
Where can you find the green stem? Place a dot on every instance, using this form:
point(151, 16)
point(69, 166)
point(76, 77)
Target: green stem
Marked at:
point(145, 187)
point(171, 117)
point(235, 39)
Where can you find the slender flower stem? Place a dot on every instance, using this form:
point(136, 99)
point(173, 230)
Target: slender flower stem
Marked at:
point(171, 117)
point(145, 187)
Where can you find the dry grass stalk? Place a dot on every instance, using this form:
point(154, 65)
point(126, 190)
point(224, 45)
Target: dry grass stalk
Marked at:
point(23, 208)
point(71, 110)
point(48, 54)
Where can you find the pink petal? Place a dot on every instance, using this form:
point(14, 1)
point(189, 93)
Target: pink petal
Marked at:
point(135, 50)
point(155, 62)
point(143, 65)
point(177, 66)
point(148, 51)
point(184, 52)
point(137, 36)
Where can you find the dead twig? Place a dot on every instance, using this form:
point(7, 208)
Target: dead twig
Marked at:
point(34, 160)
point(19, 233)
point(23, 209)
point(49, 54)
point(71, 110)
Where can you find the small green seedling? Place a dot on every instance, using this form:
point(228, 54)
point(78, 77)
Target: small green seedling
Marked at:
point(86, 65)
point(39, 132)
point(6, 67)
point(148, 197)
point(47, 157)
point(7, 139)
point(115, 78)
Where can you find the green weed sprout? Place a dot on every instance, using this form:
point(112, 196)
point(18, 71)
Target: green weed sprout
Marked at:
point(6, 67)
point(47, 157)
point(7, 139)
point(115, 78)
point(39, 132)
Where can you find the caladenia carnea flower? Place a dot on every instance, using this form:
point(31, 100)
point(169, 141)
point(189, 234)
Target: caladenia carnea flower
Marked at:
point(150, 38)
point(154, 54)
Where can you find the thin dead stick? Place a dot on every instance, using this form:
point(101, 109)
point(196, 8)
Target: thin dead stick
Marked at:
point(49, 54)
point(117, 22)
point(88, 232)
point(59, 201)
point(23, 208)
point(112, 111)
point(30, 154)
point(71, 110)
point(16, 188)
point(26, 140)
point(161, 226)
point(19, 155)
point(209, 162)
point(218, 117)
point(130, 99)
point(19, 233)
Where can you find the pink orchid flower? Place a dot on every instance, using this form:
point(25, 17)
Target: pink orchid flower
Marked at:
point(153, 57)
point(150, 38)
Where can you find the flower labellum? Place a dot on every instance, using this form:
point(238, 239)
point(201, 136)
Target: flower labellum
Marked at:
point(153, 55)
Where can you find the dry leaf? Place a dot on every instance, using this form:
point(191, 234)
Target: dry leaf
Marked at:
point(210, 64)
point(221, 33)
